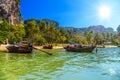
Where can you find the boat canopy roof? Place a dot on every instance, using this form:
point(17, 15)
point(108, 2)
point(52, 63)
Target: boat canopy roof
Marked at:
point(74, 43)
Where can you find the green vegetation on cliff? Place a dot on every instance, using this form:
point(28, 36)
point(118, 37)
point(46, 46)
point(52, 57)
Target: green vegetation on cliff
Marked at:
point(18, 1)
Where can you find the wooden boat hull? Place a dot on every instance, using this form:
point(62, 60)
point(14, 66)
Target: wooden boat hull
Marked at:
point(83, 49)
point(48, 47)
point(18, 49)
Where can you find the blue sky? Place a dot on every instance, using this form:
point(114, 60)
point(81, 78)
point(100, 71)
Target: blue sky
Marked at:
point(77, 13)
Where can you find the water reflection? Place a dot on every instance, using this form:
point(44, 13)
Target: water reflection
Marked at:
point(62, 65)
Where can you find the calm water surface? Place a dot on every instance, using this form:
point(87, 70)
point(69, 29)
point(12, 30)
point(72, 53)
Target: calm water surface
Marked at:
point(62, 65)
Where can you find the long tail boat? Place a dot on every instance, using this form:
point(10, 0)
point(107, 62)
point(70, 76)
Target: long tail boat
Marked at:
point(48, 47)
point(20, 48)
point(79, 48)
point(24, 47)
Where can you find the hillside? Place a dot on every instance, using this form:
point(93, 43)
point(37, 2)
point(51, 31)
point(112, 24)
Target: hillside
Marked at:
point(95, 29)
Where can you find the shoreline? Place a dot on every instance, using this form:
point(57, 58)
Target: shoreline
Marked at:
point(54, 47)
point(108, 46)
point(3, 48)
point(58, 47)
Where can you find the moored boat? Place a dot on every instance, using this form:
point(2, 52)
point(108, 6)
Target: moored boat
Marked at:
point(47, 47)
point(20, 48)
point(24, 47)
point(79, 48)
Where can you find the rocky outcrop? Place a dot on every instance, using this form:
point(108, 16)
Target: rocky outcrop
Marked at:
point(95, 29)
point(100, 29)
point(10, 10)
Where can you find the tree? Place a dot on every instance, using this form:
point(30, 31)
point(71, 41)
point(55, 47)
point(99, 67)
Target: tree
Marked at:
point(116, 42)
point(98, 38)
point(63, 38)
point(80, 39)
point(118, 29)
point(42, 26)
point(16, 33)
point(39, 40)
point(90, 37)
point(20, 32)
point(69, 36)
point(83, 40)
point(4, 30)
point(50, 33)
point(104, 37)
point(32, 29)
point(58, 37)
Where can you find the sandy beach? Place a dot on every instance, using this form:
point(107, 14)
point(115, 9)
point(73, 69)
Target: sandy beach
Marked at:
point(3, 48)
point(55, 47)
point(108, 46)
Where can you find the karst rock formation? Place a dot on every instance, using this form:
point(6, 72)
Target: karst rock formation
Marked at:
point(10, 11)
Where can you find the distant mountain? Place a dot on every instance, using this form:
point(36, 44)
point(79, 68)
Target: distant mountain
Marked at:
point(97, 28)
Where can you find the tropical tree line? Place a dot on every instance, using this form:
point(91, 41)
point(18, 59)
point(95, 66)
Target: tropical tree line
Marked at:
point(42, 32)
point(39, 34)
point(91, 38)
point(11, 32)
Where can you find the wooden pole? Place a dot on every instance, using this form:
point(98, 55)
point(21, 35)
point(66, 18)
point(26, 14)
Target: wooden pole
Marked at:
point(43, 51)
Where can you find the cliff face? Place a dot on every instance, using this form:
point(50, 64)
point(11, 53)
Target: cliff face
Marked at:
point(10, 10)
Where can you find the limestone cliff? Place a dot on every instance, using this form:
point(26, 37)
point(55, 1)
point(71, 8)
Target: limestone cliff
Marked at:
point(10, 10)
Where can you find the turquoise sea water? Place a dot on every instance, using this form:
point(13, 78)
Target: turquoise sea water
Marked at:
point(62, 65)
